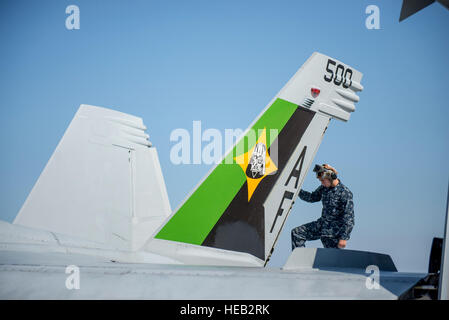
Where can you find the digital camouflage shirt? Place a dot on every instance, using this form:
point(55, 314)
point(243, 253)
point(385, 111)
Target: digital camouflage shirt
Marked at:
point(337, 217)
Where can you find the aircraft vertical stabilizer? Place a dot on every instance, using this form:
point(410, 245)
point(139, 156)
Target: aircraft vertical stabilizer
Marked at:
point(242, 204)
point(103, 182)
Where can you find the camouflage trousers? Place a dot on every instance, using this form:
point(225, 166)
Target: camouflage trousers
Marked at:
point(311, 231)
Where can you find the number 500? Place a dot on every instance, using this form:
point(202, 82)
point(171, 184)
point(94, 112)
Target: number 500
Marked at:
point(339, 76)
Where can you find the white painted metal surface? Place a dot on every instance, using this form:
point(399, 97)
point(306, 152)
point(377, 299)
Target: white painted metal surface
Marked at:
point(43, 276)
point(333, 101)
point(24, 239)
point(103, 183)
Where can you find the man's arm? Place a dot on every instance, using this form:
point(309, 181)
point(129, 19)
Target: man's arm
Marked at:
point(348, 216)
point(315, 196)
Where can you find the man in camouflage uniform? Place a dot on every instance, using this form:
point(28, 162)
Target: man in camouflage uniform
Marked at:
point(334, 226)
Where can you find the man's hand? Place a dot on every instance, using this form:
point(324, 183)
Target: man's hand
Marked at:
point(341, 244)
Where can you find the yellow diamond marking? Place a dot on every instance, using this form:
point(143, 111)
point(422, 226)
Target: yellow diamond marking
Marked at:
point(244, 159)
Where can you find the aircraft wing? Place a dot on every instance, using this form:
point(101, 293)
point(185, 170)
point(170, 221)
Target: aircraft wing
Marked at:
point(38, 264)
point(44, 275)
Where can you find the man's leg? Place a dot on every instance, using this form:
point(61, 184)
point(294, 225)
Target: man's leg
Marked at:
point(329, 242)
point(308, 231)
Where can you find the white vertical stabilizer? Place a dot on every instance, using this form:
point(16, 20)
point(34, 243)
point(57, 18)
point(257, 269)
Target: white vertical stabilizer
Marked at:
point(103, 182)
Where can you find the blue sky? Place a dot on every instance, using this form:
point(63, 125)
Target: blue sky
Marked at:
point(221, 62)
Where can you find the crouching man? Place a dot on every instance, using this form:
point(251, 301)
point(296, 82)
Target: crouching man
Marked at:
point(337, 218)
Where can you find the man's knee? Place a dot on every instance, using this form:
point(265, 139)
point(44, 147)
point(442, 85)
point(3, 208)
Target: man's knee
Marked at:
point(329, 242)
point(298, 238)
point(299, 232)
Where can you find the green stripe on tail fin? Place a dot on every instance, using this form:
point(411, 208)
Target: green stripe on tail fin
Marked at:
point(200, 212)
